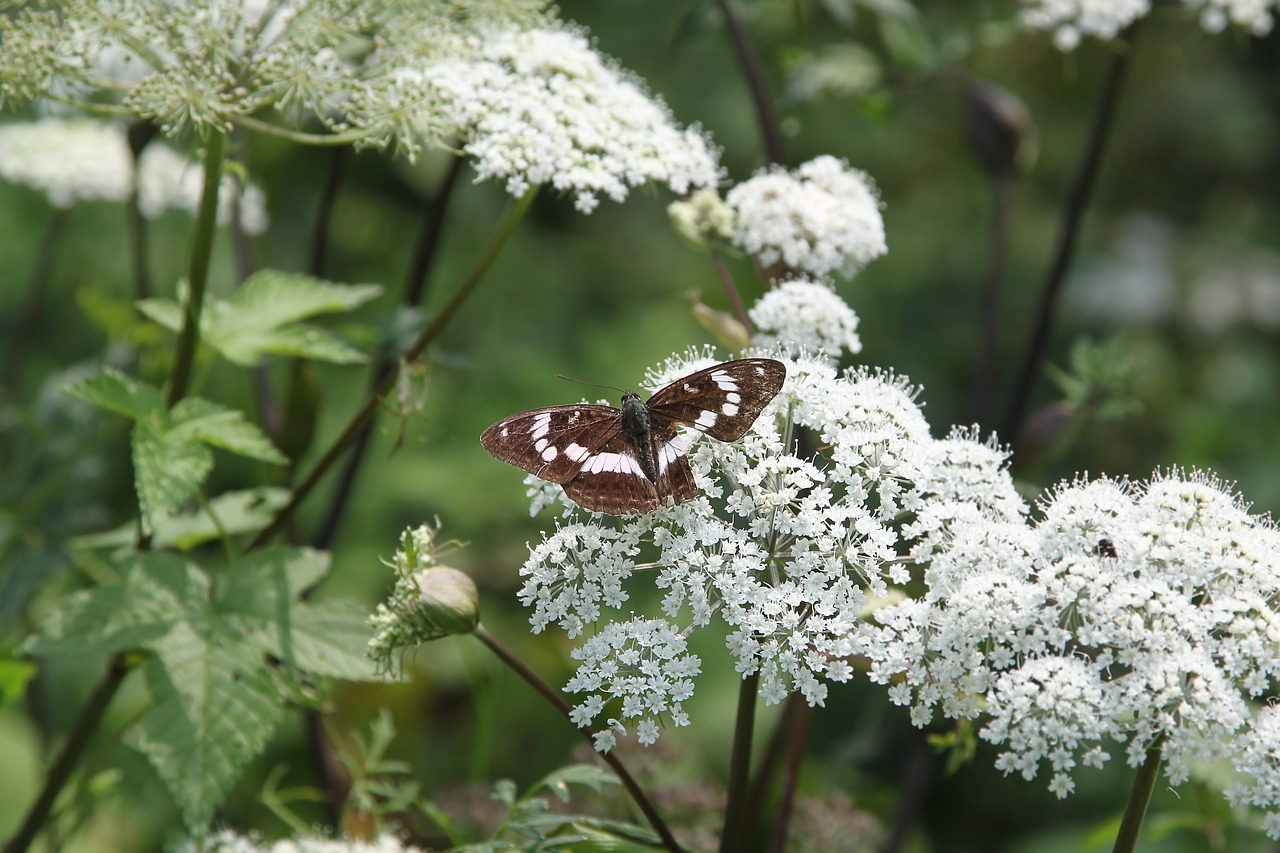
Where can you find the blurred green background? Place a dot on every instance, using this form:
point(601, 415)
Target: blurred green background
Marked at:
point(1178, 270)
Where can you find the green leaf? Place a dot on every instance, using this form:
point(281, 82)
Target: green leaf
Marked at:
point(156, 593)
point(118, 393)
point(168, 467)
point(215, 707)
point(237, 512)
point(201, 420)
point(330, 638)
point(14, 676)
point(263, 317)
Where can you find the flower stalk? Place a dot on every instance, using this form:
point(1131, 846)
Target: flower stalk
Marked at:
point(1139, 797)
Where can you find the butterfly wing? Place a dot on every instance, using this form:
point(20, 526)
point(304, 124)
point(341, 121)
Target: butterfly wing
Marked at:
point(554, 443)
point(612, 480)
point(723, 401)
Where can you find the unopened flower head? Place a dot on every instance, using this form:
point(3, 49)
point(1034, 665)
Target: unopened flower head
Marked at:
point(1134, 613)
point(801, 315)
point(703, 218)
point(542, 107)
point(73, 160)
point(429, 601)
point(781, 547)
point(822, 218)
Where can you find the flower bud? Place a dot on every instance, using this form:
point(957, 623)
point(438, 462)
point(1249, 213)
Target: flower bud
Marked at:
point(450, 602)
point(998, 124)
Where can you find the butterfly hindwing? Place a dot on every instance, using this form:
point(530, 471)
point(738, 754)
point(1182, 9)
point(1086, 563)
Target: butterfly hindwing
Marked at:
point(723, 401)
point(612, 480)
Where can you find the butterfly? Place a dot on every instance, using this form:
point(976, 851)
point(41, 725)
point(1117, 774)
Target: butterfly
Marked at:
point(628, 461)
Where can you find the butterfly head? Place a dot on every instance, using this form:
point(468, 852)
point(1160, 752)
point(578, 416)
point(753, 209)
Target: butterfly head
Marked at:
point(635, 418)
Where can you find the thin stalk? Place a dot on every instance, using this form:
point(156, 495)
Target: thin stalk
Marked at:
point(1139, 797)
point(324, 211)
point(198, 272)
point(984, 372)
point(739, 310)
point(558, 702)
point(515, 213)
point(799, 728)
point(749, 60)
point(733, 836)
point(415, 288)
point(140, 135)
point(1073, 212)
point(77, 739)
point(37, 288)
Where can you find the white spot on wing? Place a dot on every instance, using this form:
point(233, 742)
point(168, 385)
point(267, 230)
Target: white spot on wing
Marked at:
point(707, 419)
point(724, 381)
point(541, 425)
point(549, 454)
point(614, 463)
point(576, 452)
point(729, 409)
point(733, 397)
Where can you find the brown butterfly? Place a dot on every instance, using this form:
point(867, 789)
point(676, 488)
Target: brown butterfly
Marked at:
point(629, 461)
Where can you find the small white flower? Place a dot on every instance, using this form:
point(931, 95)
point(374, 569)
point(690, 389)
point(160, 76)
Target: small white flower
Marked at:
point(801, 315)
point(1257, 15)
point(1070, 20)
point(823, 218)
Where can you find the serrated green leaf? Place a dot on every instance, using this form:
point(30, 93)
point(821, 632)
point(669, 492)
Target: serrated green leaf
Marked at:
point(236, 512)
point(118, 393)
point(168, 467)
point(156, 593)
point(261, 582)
point(202, 420)
point(330, 638)
point(263, 317)
point(215, 707)
point(163, 312)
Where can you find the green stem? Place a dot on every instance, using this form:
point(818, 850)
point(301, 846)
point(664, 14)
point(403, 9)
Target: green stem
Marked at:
point(515, 213)
point(86, 724)
point(1139, 797)
point(733, 837)
point(560, 704)
point(198, 273)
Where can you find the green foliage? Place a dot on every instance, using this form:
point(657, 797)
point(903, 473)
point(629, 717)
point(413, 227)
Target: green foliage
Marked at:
point(262, 318)
point(228, 514)
point(224, 653)
point(15, 674)
point(171, 453)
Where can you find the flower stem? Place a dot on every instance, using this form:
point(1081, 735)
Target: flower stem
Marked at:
point(749, 60)
point(198, 272)
point(1139, 797)
point(1073, 212)
point(515, 213)
point(78, 738)
point(733, 836)
point(560, 704)
point(739, 310)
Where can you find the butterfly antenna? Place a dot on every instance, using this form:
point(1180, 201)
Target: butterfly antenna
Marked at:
point(592, 384)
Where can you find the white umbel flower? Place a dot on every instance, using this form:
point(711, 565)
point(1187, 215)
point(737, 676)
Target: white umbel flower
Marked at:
point(822, 218)
point(542, 107)
point(802, 315)
point(1071, 20)
point(74, 160)
point(1256, 15)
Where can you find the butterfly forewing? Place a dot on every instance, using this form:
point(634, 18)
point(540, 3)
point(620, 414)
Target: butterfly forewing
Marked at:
point(553, 443)
point(621, 465)
point(722, 401)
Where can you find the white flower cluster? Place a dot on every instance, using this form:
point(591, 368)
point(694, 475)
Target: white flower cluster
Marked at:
point(801, 315)
point(781, 547)
point(1071, 20)
point(541, 106)
point(822, 218)
point(1139, 614)
point(1256, 15)
point(227, 841)
point(75, 160)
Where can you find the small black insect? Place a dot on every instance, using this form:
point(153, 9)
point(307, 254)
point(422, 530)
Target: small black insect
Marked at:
point(1105, 548)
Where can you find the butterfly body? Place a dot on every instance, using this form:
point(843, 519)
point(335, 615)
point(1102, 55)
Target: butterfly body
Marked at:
point(630, 460)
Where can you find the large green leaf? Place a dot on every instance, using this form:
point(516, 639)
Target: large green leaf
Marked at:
point(223, 655)
point(263, 318)
point(168, 467)
point(236, 512)
point(215, 707)
point(156, 593)
point(115, 392)
point(201, 420)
